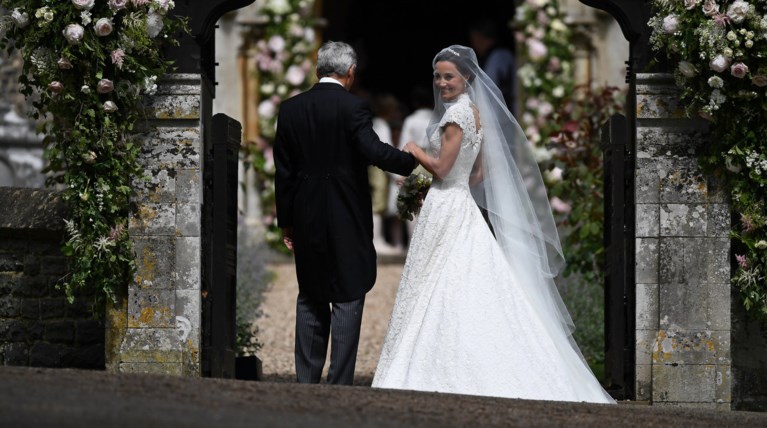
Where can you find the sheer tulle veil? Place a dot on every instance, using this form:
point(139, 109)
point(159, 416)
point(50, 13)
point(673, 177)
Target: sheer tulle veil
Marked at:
point(512, 192)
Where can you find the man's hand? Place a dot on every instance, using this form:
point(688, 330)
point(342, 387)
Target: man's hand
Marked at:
point(287, 237)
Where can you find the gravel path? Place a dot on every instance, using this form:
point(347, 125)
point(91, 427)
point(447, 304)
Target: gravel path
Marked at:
point(277, 323)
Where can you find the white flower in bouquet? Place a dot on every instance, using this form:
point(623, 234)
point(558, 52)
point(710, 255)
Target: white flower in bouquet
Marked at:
point(267, 88)
point(85, 89)
point(717, 97)
point(74, 33)
point(759, 80)
point(761, 245)
point(687, 69)
point(738, 11)
point(715, 82)
point(558, 92)
point(154, 24)
point(104, 27)
point(670, 24)
point(558, 25)
point(64, 64)
point(731, 165)
point(731, 35)
point(542, 154)
point(739, 70)
point(282, 90)
point(110, 107)
point(83, 4)
point(20, 18)
point(280, 7)
point(86, 17)
point(545, 108)
point(560, 206)
point(163, 6)
point(105, 86)
point(309, 35)
point(295, 75)
point(749, 44)
point(719, 63)
point(710, 8)
point(554, 175)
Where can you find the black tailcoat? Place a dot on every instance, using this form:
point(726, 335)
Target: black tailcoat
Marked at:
point(324, 144)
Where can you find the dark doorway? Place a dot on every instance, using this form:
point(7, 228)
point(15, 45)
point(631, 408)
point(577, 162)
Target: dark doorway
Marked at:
point(397, 39)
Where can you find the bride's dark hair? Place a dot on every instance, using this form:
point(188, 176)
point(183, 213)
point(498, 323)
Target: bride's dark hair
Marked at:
point(462, 64)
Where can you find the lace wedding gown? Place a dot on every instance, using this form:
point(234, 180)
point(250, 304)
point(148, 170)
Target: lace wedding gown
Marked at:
point(460, 323)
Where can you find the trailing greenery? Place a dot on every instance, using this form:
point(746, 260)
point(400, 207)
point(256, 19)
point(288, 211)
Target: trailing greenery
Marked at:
point(719, 53)
point(87, 66)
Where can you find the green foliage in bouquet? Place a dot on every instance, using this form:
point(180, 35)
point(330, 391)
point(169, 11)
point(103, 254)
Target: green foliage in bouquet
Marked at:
point(87, 66)
point(411, 195)
point(719, 53)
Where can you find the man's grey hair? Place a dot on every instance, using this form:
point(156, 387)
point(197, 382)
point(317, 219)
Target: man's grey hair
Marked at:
point(335, 58)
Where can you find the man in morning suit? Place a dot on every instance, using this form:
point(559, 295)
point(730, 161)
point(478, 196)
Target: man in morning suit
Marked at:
point(323, 146)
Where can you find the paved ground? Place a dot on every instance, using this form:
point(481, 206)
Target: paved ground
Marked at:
point(31, 397)
point(62, 398)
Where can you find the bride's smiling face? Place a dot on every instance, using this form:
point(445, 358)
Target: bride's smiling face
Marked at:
point(448, 80)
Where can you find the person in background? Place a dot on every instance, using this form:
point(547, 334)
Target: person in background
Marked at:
point(414, 129)
point(495, 60)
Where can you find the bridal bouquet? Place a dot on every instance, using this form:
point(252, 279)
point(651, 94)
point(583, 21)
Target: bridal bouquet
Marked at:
point(411, 195)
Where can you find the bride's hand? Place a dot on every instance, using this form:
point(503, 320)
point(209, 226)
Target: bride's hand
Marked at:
point(410, 147)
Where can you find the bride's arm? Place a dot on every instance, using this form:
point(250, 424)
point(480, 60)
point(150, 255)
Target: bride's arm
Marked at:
point(448, 153)
point(477, 174)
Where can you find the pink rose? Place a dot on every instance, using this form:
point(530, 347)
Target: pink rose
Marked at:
point(56, 87)
point(719, 63)
point(64, 64)
point(83, 4)
point(710, 7)
point(559, 205)
point(536, 49)
point(104, 27)
point(739, 70)
point(759, 80)
point(74, 34)
point(105, 86)
point(118, 4)
point(737, 11)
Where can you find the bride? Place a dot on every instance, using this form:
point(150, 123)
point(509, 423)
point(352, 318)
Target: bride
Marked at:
point(477, 311)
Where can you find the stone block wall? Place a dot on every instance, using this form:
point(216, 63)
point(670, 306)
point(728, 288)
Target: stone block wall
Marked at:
point(156, 326)
point(682, 258)
point(38, 327)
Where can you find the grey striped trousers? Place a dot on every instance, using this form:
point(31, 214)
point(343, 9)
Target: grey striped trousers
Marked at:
point(315, 323)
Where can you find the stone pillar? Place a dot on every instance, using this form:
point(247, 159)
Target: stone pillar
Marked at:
point(682, 258)
point(155, 328)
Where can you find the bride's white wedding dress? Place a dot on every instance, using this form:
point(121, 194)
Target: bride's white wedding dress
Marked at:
point(460, 323)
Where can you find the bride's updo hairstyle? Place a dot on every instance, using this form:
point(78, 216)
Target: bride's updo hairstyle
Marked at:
point(462, 63)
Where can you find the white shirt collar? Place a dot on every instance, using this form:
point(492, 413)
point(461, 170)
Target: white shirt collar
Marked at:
point(330, 80)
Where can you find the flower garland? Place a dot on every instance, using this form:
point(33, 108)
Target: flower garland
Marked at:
point(719, 53)
point(285, 61)
point(87, 65)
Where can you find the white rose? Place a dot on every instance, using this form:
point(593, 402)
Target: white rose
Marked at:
point(154, 24)
point(687, 69)
point(105, 86)
point(719, 64)
point(276, 43)
point(83, 4)
point(737, 11)
point(104, 27)
point(85, 89)
point(761, 245)
point(74, 34)
point(267, 88)
point(295, 75)
point(20, 18)
point(110, 107)
point(267, 109)
point(670, 24)
point(715, 82)
point(554, 175)
point(558, 92)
